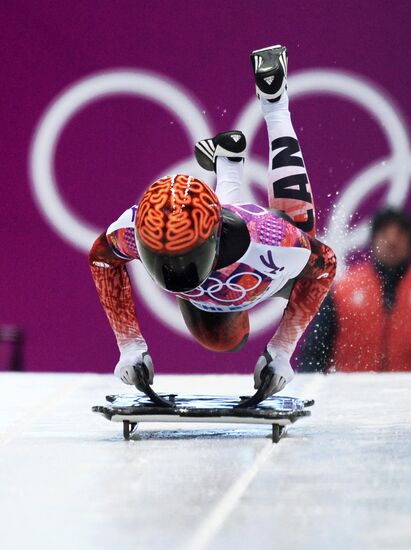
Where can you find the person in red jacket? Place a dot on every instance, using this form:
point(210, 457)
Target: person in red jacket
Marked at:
point(364, 323)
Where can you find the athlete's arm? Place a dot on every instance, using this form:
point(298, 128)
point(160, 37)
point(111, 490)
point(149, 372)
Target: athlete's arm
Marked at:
point(108, 258)
point(306, 297)
point(114, 290)
point(313, 271)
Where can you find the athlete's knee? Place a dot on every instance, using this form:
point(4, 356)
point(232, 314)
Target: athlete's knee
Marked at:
point(228, 333)
point(240, 346)
point(223, 343)
point(220, 332)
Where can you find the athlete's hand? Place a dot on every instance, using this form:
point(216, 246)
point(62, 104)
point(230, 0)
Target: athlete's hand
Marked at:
point(133, 357)
point(278, 362)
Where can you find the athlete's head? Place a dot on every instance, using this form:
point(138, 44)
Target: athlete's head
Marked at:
point(177, 231)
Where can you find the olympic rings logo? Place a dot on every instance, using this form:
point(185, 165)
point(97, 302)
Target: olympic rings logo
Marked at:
point(396, 169)
point(218, 285)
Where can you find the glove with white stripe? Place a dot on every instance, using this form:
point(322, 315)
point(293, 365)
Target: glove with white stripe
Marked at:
point(278, 362)
point(133, 357)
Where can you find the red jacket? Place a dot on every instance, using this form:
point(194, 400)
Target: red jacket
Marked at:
point(368, 336)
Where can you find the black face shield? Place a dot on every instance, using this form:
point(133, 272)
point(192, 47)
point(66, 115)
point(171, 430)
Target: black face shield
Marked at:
point(181, 272)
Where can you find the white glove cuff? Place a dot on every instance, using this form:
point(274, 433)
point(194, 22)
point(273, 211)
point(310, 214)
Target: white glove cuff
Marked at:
point(280, 353)
point(135, 346)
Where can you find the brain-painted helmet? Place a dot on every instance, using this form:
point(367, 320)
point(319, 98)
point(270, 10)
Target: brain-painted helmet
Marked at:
point(177, 231)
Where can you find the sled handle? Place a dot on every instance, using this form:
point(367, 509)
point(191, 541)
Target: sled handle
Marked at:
point(143, 385)
point(262, 392)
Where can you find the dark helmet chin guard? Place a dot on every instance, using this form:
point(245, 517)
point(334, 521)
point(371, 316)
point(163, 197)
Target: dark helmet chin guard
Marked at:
point(182, 272)
point(177, 232)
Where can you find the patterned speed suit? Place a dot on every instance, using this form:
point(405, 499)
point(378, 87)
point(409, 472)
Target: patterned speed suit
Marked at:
point(283, 259)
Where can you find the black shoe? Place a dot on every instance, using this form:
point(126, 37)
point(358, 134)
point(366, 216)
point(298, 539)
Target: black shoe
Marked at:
point(270, 71)
point(228, 144)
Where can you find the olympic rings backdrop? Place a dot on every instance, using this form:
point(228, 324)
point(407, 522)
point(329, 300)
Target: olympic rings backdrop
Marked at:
point(102, 98)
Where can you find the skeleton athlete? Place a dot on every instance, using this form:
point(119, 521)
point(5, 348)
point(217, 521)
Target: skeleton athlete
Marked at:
point(218, 256)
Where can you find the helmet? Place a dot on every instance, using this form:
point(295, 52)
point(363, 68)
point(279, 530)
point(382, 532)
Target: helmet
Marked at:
point(177, 231)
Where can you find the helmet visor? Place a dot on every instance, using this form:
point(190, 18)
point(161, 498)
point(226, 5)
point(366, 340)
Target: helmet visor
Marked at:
point(181, 272)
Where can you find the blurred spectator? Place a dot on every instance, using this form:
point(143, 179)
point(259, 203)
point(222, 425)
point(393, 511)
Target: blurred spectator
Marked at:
point(13, 337)
point(364, 323)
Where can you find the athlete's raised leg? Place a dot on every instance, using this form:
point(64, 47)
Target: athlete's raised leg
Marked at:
point(289, 189)
point(224, 154)
point(229, 178)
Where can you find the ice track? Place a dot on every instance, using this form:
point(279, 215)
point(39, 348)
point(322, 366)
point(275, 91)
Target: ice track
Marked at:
point(340, 479)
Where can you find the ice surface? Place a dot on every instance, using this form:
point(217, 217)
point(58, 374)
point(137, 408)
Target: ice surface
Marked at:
point(340, 479)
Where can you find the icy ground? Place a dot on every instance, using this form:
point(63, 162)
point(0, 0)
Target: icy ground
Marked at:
point(340, 479)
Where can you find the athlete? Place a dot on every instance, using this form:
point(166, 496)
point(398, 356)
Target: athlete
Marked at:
point(221, 257)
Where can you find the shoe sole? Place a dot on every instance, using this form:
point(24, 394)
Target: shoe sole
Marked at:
point(284, 64)
point(206, 152)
